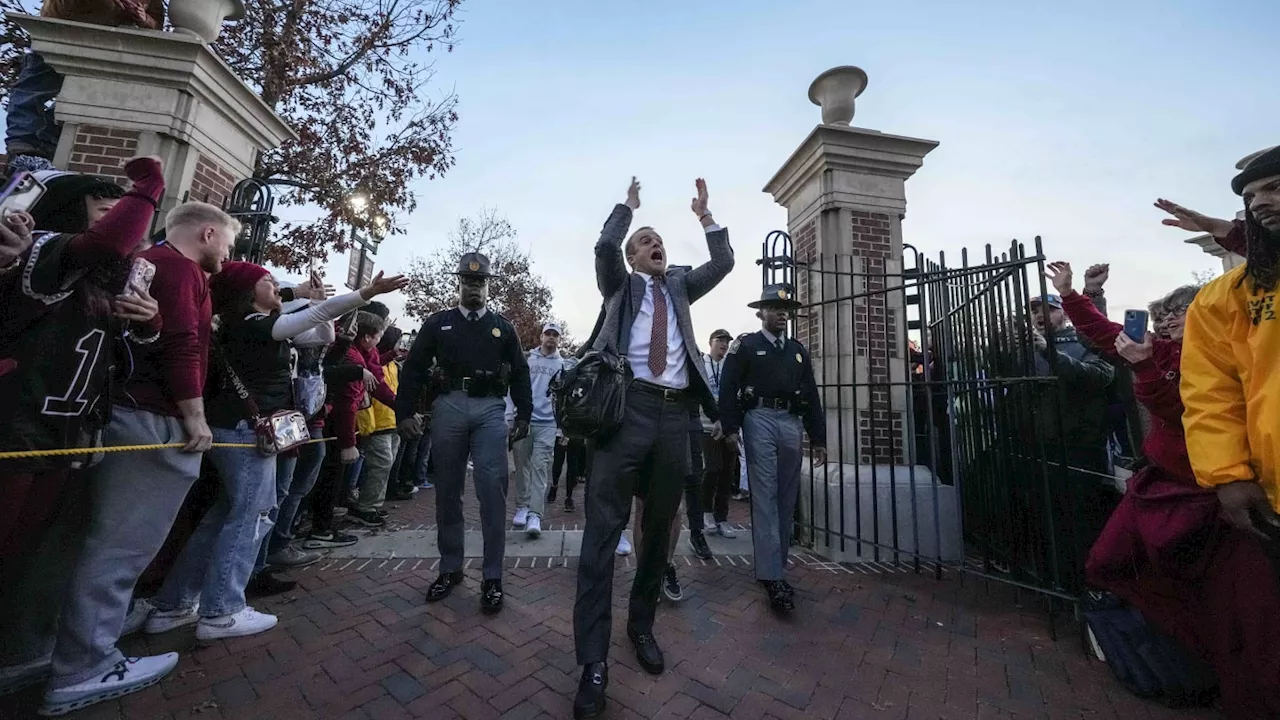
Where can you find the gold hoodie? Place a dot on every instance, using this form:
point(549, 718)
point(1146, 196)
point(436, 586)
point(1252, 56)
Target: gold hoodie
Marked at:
point(1230, 388)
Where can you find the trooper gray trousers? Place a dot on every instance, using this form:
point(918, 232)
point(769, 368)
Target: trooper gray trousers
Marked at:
point(774, 458)
point(475, 427)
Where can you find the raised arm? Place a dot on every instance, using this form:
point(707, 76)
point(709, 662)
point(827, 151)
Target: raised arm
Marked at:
point(1084, 313)
point(1227, 233)
point(611, 266)
point(295, 324)
point(122, 229)
point(704, 278)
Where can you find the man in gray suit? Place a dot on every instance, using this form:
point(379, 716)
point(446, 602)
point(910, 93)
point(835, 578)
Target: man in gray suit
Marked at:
point(647, 321)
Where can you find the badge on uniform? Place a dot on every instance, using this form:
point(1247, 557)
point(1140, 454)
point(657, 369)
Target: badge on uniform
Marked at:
point(497, 332)
point(799, 359)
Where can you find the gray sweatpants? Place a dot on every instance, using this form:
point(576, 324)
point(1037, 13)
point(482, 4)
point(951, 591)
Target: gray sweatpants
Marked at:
point(533, 456)
point(134, 498)
point(774, 440)
point(475, 427)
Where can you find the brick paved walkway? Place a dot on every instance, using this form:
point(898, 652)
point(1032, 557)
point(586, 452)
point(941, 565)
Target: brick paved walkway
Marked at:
point(358, 641)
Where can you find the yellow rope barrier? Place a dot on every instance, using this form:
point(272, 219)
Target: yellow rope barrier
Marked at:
point(22, 454)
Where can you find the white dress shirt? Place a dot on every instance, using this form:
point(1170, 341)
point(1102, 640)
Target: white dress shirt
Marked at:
point(676, 375)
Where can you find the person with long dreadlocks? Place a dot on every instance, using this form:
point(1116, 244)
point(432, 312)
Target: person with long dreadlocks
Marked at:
point(1229, 386)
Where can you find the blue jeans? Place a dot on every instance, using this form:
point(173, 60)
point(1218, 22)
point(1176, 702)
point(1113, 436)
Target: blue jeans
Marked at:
point(310, 459)
point(31, 128)
point(285, 469)
point(217, 561)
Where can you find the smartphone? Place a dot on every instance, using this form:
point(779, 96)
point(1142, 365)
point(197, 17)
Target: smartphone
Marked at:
point(21, 194)
point(140, 277)
point(1135, 325)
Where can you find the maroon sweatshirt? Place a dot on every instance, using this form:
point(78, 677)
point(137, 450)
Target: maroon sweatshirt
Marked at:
point(173, 368)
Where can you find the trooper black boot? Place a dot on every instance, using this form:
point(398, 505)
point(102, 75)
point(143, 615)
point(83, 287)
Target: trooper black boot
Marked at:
point(443, 586)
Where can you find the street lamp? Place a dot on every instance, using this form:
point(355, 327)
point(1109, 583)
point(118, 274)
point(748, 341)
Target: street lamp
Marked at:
point(360, 271)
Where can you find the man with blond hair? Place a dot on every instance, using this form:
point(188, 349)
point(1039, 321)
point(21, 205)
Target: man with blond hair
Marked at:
point(137, 495)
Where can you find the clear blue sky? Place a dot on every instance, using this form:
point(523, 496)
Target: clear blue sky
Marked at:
point(1064, 120)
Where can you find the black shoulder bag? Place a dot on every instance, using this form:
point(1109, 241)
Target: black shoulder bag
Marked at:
point(590, 398)
point(278, 432)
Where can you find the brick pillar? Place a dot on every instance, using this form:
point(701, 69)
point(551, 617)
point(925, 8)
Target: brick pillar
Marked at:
point(844, 190)
point(147, 92)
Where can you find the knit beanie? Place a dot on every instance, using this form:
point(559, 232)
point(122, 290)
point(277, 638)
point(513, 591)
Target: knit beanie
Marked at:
point(1265, 165)
point(236, 280)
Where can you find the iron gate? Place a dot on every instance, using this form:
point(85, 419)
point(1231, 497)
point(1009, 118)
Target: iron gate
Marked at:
point(934, 410)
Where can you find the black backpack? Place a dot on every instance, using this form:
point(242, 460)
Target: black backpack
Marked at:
point(590, 398)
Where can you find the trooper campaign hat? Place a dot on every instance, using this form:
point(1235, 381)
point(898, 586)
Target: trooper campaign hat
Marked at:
point(777, 295)
point(474, 264)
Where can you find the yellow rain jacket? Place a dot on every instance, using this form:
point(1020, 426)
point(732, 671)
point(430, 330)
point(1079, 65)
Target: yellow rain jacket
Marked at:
point(378, 417)
point(1230, 388)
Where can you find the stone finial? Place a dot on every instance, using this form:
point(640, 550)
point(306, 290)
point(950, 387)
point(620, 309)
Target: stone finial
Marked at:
point(835, 90)
point(204, 18)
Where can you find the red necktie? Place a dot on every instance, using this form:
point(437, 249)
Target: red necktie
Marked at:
point(658, 333)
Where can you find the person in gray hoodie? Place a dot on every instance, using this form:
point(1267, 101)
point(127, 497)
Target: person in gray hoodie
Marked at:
point(533, 454)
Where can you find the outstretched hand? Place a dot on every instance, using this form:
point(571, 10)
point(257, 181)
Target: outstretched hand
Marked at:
point(1192, 221)
point(380, 285)
point(699, 202)
point(633, 194)
point(1060, 274)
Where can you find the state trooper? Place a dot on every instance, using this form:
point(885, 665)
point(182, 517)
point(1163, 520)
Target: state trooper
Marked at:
point(768, 394)
point(461, 366)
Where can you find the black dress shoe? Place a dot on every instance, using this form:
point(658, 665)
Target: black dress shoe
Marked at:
point(443, 585)
point(781, 595)
point(266, 583)
point(699, 544)
point(647, 652)
point(590, 700)
point(491, 596)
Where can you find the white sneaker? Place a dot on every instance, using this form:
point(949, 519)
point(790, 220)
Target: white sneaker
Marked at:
point(246, 622)
point(137, 617)
point(726, 530)
point(128, 676)
point(534, 527)
point(624, 545)
point(162, 621)
point(709, 524)
point(521, 518)
point(17, 677)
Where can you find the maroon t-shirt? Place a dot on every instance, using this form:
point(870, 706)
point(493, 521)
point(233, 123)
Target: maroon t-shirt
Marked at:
point(173, 368)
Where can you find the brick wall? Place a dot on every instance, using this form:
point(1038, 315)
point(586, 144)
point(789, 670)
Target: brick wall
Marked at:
point(875, 331)
point(804, 247)
point(211, 184)
point(102, 151)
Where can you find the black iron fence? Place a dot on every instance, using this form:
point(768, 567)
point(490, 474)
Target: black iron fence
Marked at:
point(943, 444)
